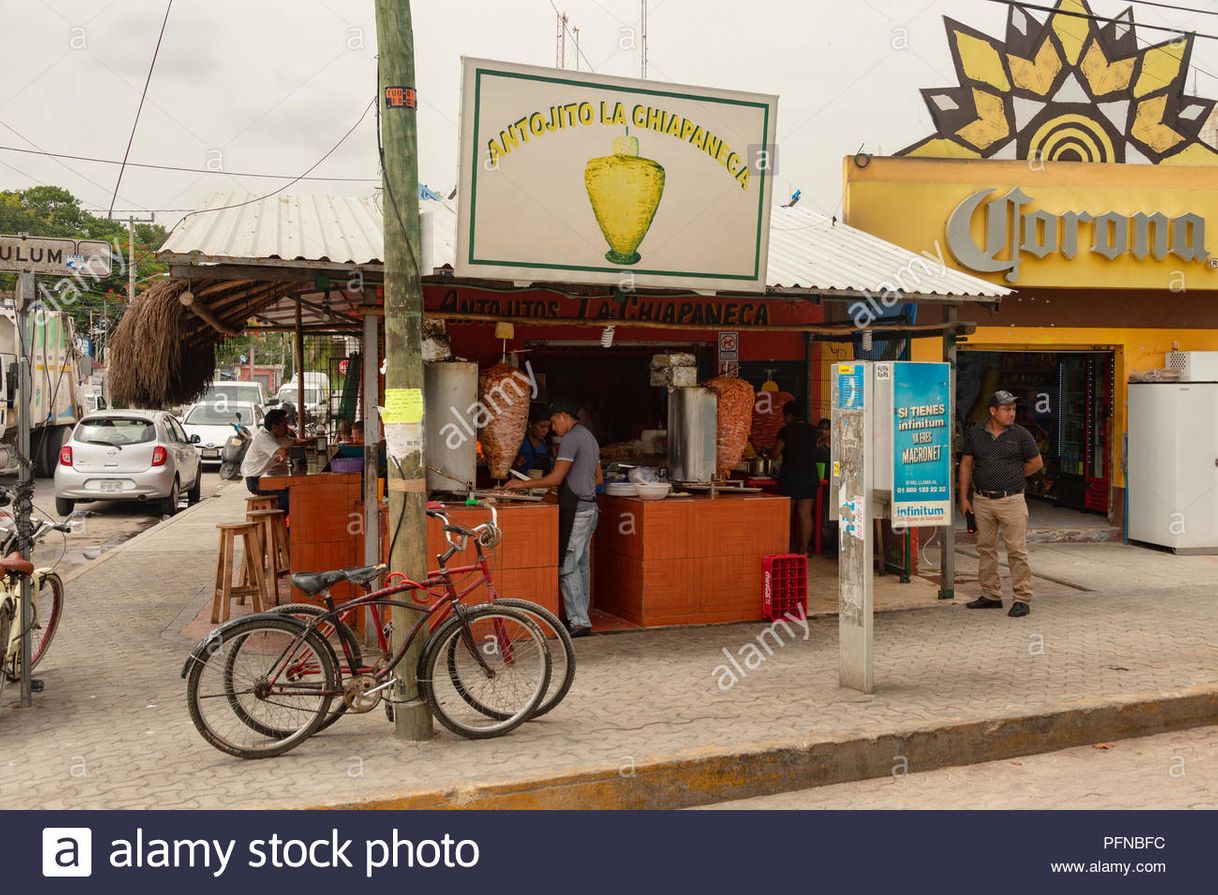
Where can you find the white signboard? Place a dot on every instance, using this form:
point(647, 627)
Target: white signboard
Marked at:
point(582, 178)
point(61, 257)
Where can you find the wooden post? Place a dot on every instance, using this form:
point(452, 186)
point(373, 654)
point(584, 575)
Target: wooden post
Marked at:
point(403, 343)
point(947, 562)
point(300, 411)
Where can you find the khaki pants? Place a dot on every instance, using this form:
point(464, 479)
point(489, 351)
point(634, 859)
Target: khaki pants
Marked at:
point(1011, 515)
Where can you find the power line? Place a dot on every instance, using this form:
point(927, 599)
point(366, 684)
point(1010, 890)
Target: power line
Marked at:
point(1094, 18)
point(1202, 12)
point(311, 168)
point(108, 161)
point(135, 124)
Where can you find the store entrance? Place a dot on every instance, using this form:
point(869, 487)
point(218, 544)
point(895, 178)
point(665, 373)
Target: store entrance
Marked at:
point(1066, 400)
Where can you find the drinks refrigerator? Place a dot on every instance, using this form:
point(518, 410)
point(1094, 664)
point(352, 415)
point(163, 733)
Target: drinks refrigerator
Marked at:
point(1085, 389)
point(1173, 465)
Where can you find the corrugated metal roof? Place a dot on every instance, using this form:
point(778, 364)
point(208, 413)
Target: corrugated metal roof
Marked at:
point(807, 250)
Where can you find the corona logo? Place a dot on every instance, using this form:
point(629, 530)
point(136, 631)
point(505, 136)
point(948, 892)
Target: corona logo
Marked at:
point(1011, 233)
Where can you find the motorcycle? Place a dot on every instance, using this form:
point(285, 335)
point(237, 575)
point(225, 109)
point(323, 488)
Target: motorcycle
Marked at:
point(233, 453)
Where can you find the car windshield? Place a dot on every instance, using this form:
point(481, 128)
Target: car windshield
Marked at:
point(220, 413)
point(232, 392)
point(116, 430)
point(288, 393)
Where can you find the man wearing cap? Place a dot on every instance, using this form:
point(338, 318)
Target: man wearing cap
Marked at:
point(997, 458)
point(576, 473)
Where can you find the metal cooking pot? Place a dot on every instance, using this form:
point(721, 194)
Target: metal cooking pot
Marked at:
point(761, 467)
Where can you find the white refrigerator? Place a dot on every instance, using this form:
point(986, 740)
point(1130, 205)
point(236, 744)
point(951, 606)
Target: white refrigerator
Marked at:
point(1173, 465)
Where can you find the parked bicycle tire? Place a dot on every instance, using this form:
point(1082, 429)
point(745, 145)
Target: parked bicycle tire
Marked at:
point(6, 626)
point(48, 610)
point(259, 636)
point(562, 674)
point(337, 634)
point(486, 633)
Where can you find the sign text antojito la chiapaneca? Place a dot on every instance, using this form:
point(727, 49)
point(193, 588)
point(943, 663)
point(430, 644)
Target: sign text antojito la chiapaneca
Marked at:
point(642, 117)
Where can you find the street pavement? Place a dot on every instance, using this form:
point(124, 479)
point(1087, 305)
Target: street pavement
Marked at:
point(112, 731)
point(101, 524)
point(1177, 770)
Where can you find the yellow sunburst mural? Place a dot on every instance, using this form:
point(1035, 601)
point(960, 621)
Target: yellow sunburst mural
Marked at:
point(1067, 88)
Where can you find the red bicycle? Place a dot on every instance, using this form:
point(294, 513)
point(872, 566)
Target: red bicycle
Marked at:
point(342, 630)
point(260, 685)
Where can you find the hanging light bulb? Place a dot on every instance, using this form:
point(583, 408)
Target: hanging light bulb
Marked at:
point(607, 337)
point(866, 340)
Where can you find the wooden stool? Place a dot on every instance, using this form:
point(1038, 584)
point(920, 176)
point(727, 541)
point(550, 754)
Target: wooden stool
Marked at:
point(253, 582)
point(276, 557)
point(260, 502)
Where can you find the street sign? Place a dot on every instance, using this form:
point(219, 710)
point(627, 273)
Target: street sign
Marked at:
point(729, 354)
point(58, 257)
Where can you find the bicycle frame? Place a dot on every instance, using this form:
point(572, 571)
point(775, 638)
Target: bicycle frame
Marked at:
point(10, 589)
point(448, 603)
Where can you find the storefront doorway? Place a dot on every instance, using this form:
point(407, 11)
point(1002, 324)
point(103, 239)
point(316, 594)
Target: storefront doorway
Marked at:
point(1066, 403)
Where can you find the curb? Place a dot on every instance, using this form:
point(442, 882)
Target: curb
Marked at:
point(702, 778)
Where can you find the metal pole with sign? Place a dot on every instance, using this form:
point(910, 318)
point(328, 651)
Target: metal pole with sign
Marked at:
point(25, 477)
point(851, 496)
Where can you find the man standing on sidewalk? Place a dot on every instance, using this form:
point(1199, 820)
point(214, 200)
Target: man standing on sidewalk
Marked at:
point(997, 458)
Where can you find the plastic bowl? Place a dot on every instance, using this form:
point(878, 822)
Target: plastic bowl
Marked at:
point(347, 464)
point(655, 491)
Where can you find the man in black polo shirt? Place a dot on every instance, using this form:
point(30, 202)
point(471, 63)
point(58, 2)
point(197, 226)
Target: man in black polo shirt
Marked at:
point(997, 458)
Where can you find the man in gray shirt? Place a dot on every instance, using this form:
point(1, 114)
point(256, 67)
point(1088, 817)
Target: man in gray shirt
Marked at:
point(576, 473)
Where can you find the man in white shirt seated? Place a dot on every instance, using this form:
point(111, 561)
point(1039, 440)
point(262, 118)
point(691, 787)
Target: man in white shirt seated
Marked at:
point(268, 448)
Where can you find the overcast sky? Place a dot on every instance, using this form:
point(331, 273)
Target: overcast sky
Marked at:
point(269, 86)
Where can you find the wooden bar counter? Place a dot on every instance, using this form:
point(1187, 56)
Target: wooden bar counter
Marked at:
point(327, 520)
point(326, 513)
point(686, 560)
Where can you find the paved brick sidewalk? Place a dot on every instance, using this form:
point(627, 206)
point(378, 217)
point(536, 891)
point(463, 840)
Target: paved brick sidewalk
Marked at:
point(1177, 770)
point(112, 731)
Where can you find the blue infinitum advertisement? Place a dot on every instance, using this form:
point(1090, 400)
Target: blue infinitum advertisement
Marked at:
point(921, 445)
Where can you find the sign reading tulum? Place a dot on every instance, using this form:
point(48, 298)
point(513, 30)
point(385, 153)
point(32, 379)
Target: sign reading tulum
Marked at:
point(61, 257)
point(575, 177)
point(1012, 232)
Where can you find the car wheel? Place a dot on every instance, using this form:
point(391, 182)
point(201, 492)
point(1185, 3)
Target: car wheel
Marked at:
point(169, 503)
point(64, 507)
point(196, 490)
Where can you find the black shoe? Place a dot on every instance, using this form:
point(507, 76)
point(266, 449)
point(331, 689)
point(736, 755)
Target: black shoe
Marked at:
point(581, 631)
point(1019, 609)
point(984, 602)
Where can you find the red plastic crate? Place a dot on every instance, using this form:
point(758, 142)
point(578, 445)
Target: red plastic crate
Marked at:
point(784, 585)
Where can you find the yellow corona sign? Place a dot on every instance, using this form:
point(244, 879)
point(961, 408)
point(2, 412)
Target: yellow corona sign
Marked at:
point(1051, 224)
point(575, 177)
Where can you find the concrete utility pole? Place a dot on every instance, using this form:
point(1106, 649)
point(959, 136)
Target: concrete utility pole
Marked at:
point(403, 341)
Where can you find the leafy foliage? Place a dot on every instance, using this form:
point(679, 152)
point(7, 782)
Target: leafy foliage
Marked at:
point(54, 212)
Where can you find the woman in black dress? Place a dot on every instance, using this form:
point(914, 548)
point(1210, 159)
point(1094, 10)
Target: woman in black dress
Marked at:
point(796, 448)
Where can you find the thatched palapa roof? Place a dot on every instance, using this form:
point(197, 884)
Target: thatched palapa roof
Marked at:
point(163, 353)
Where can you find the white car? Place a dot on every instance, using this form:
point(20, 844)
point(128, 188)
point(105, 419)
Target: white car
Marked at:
point(317, 401)
point(128, 455)
point(234, 391)
point(208, 425)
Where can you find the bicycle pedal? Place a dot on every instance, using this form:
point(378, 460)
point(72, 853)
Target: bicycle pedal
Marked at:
point(36, 686)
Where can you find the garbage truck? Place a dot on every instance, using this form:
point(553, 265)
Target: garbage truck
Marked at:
point(54, 404)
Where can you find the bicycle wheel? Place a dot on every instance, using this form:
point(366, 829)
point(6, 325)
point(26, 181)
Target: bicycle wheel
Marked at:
point(263, 687)
point(342, 640)
point(562, 673)
point(48, 609)
point(7, 610)
point(496, 675)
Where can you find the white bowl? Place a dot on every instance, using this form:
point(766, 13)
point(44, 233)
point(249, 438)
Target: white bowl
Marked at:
point(655, 491)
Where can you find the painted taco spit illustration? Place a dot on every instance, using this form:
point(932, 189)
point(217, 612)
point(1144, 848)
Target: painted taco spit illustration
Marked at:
point(625, 191)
